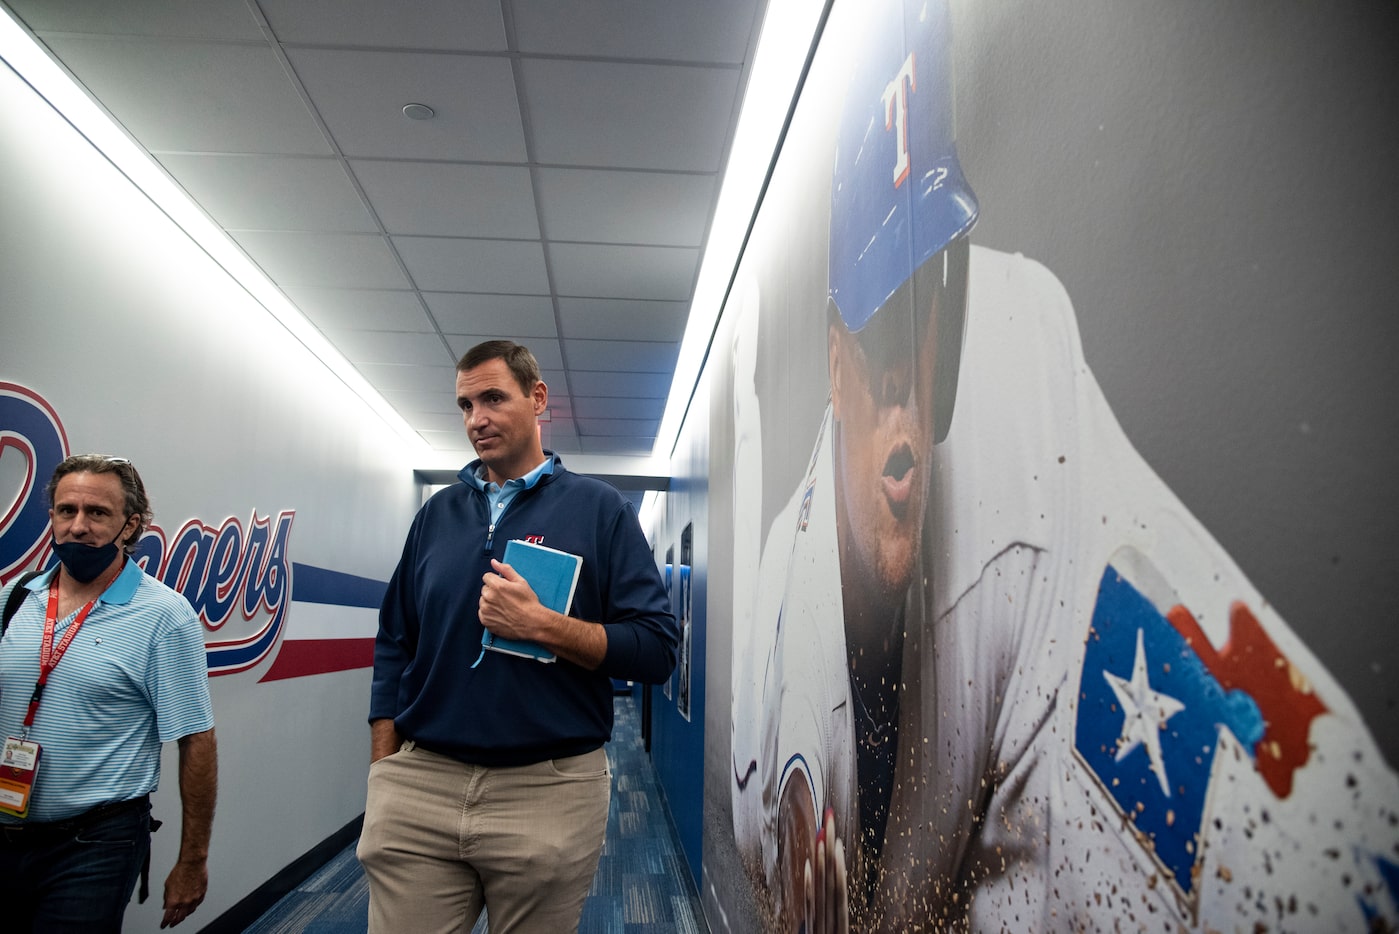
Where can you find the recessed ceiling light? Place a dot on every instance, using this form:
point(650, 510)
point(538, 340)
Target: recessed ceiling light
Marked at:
point(418, 112)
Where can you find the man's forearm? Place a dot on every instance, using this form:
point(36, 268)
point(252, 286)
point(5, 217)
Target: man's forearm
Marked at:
point(583, 643)
point(383, 739)
point(199, 783)
point(188, 882)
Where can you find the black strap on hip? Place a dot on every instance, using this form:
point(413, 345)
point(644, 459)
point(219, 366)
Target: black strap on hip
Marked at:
point(16, 598)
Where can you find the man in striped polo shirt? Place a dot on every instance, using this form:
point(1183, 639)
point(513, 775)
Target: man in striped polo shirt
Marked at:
point(99, 666)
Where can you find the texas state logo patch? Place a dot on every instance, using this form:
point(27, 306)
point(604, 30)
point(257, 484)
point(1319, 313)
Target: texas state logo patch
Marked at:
point(1150, 713)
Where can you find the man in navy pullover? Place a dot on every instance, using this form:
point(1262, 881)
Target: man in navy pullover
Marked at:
point(488, 783)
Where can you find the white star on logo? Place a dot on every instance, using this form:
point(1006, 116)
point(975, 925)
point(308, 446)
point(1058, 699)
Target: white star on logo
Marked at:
point(1144, 715)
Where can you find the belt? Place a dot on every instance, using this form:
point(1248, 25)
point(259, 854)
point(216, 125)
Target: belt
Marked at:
point(39, 832)
point(582, 749)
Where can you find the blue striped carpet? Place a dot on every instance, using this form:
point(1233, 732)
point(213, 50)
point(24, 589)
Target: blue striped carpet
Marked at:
point(643, 885)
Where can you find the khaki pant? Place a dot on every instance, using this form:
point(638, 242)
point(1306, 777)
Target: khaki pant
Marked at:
point(442, 838)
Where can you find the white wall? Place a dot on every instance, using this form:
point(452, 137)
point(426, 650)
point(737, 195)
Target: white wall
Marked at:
point(145, 348)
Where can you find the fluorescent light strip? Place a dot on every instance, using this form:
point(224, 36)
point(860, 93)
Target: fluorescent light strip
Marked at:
point(789, 28)
point(29, 59)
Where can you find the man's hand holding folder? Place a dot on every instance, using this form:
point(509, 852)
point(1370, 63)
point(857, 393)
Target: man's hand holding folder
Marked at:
point(525, 602)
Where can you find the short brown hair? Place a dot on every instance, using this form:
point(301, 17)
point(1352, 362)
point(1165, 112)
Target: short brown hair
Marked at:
point(516, 356)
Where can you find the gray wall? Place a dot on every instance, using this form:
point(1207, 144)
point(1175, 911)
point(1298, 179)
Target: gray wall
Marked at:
point(1213, 184)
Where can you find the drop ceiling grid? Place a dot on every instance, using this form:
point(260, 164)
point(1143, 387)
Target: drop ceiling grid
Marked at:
point(561, 195)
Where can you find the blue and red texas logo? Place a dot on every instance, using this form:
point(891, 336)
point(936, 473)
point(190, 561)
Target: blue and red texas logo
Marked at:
point(1154, 695)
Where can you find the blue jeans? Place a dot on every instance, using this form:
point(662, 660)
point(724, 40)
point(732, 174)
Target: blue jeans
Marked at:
point(55, 879)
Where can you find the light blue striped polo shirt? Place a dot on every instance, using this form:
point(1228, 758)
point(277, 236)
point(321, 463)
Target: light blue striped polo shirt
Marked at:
point(135, 676)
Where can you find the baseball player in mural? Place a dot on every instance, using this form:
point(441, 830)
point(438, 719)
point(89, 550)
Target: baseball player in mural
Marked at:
point(1007, 681)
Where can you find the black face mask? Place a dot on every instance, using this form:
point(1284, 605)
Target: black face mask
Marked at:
point(85, 562)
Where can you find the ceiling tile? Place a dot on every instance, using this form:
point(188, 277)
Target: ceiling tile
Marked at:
point(591, 205)
point(639, 385)
point(560, 403)
point(308, 259)
point(629, 115)
point(207, 19)
point(449, 265)
point(423, 402)
point(713, 31)
point(388, 378)
point(451, 199)
point(622, 319)
point(427, 24)
point(514, 316)
point(586, 407)
point(392, 347)
point(360, 95)
point(367, 309)
point(272, 192)
point(617, 427)
point(559, 437)
point(177, 95)
point(450, 442)
point(593, 270)
point(446, 423)
point(622, 356)
point(604, 444)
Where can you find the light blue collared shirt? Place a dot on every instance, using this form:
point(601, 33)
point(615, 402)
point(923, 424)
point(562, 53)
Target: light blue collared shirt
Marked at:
point(501, 495)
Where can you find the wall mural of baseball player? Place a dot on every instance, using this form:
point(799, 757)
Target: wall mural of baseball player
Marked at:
point(989, 672)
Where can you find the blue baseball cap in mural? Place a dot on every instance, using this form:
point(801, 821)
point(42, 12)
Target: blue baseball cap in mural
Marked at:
point(898, 196)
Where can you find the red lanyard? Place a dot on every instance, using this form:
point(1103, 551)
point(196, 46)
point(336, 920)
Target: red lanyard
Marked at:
point(49, 654)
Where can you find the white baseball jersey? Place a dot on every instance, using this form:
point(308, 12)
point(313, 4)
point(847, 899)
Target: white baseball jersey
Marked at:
point(1113, 730)
point(795, 669)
